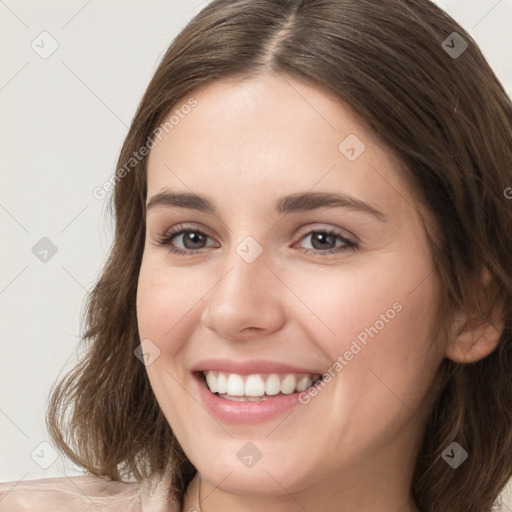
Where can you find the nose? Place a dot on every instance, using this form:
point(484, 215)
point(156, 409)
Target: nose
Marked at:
point(246, 301)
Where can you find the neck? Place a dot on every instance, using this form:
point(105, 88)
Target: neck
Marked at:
point(204, 496)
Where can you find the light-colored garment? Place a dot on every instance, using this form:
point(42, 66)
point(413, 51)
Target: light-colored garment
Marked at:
point(88, 494)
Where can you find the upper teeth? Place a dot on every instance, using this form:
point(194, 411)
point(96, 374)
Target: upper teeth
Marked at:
point(257, 384)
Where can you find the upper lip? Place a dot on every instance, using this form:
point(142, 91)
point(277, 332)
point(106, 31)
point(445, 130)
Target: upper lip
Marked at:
point(249, 367)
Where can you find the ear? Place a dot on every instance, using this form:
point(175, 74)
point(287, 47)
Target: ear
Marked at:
point(476, 337)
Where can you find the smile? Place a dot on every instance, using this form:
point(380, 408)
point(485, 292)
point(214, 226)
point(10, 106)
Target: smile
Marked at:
point(251, 391)
point(255, 387)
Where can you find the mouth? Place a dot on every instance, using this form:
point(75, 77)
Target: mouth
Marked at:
point(256, 387)
point(252, 391)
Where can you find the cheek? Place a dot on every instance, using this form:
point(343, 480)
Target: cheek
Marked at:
point(165, 299)
point(366, 299)
point(165, 302)
point(375, 326)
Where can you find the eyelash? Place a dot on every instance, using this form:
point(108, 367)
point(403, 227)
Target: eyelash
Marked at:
point(165, 240)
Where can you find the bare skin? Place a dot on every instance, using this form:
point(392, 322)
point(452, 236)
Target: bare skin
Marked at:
point(352, 447)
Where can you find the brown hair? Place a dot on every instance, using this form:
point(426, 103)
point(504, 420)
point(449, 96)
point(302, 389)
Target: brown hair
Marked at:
point(445, 118)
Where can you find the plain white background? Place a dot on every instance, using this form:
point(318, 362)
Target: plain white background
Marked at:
point(63, 120)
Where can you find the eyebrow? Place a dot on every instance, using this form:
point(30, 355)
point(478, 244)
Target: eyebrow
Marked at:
point(299, 202)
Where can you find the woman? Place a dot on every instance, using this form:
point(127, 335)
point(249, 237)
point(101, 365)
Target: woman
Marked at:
point(308, 303)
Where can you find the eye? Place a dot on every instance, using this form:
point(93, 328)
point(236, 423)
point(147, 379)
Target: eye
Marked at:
point(192, 238)
point(324, 242)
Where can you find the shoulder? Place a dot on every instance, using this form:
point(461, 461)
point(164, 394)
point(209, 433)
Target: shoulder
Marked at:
point(89, 494)
point(70, 494)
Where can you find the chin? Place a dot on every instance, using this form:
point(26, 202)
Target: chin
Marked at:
point(272, 475)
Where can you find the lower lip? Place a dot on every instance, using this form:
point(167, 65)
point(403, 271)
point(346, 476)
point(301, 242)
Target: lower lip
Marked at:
point(231, 411)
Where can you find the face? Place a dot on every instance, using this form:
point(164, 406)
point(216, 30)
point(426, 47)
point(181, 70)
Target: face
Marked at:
point(268, 290)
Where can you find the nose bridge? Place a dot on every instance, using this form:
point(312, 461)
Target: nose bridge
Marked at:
point(244, 296)
point(245, 269)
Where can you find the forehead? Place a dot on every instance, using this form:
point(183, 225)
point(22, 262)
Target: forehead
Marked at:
point(248, 141)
